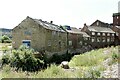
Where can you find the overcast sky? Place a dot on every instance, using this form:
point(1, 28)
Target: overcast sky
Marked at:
point(62, 12)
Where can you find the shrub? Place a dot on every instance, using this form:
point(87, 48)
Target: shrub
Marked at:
point(4, 49)
point(92, 72)
point(5, 39)
point(24, 59)
point(59, 58)
point(5, 59)
point(115, 56)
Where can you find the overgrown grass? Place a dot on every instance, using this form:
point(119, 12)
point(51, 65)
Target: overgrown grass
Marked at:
point(94, 57)
point(87, 65)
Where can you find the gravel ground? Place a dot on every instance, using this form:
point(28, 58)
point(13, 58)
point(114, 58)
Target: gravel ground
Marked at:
point(111, 72)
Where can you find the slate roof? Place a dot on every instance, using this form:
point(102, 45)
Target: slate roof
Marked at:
point(85, 34)
point(48, 25)
point(77, 31)
point(74, 30)
point(100, 29)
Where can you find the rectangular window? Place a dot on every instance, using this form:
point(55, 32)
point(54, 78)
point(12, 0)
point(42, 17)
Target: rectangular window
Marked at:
point(85, 38)
point(103, 39)
point(49, 42)
point(26, 43)
point(93, 33)
point(108, 34)
point(112, 39)
point(103, 34)
point(108, 39)
point(112, 34)
point(27, 32)
point(98, 34)
point(98, 39)
point(93, 39)
point(70, 43)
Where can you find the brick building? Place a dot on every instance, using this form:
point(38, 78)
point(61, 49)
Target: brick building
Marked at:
point(100, 33)
point(116, 26)
point(76, 39)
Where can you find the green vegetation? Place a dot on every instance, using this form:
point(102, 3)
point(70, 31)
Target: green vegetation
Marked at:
point(23, 59)
point(5, 39)
point(59, 58)
point(87, 65)
point(91, 58)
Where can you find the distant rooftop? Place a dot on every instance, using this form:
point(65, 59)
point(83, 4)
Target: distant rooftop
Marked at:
point(100, 29)
point(116, 14)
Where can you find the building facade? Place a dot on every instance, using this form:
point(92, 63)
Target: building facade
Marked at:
point(101, 34)
point(116, 24)
point(42, 36)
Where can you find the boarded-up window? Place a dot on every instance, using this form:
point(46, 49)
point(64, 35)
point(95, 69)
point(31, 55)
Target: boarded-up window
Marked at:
point(49, 42)
point(70, 43)
point(27, 32)
point(53, 33)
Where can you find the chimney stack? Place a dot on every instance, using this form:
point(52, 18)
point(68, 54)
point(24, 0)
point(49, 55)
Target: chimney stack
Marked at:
point(85, 24)
point(51, 22)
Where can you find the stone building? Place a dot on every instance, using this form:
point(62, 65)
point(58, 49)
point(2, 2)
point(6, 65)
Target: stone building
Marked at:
point(76, 39)
point(42, 36)
point(100, 33)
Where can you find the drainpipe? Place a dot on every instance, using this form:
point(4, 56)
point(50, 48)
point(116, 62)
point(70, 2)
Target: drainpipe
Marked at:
point(67, 42)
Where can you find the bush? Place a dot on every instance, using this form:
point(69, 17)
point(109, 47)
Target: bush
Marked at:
point(59, 58)
point(24, 59)
point(4, 49)
point(115, 56)
point(5, 39)
point(5, 59)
